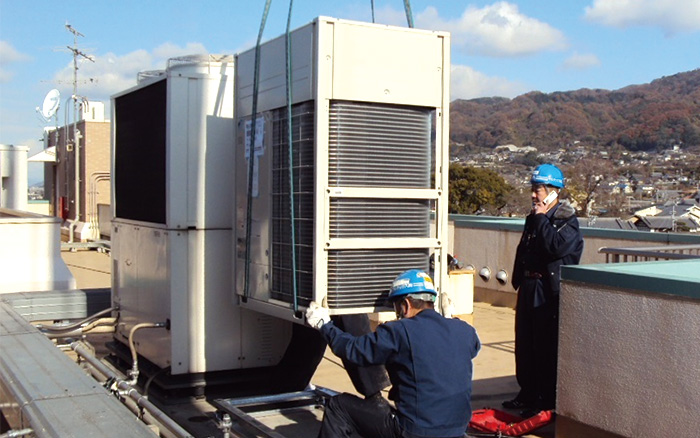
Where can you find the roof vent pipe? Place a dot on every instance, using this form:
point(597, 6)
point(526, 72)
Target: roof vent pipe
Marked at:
point(502, 276)
point(485, 273)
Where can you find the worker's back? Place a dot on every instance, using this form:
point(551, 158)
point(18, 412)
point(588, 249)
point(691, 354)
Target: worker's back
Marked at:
point(431, 373)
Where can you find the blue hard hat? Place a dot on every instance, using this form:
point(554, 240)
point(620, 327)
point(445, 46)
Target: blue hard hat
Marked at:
point(548, 174)
point(413, 281)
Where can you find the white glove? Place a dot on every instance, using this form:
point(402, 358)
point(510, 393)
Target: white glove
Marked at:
point(448, 307)
point(316, 315)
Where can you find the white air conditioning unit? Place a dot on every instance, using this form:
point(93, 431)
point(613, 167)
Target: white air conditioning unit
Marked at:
point(172, 164)
point(370, 165)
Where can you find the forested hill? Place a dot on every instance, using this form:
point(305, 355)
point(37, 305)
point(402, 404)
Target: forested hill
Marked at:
point(646, 117)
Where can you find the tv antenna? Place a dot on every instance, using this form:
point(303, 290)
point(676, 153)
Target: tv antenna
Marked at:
point(76, 146)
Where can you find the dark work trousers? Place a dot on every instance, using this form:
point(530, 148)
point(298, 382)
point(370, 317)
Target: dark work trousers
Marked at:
point(366, 380)
point(536, 337)
point(347, 415)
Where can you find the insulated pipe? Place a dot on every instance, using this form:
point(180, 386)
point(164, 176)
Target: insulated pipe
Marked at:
point(126, 390)
point(77, 323)
point(17, 433)
point(80, 332)
point(134, 372)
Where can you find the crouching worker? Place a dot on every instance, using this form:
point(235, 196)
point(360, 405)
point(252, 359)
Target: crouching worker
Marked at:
point(428, 359)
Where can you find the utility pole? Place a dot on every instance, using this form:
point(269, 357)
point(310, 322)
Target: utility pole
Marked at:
point(76, 135)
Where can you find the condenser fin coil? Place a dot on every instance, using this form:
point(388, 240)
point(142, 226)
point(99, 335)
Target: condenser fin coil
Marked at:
point(378, 145)
point(361, 278)
point(304, 177)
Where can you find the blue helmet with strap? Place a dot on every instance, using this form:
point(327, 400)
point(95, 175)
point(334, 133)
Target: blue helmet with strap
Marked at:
point(411, 282)
point(548, 174)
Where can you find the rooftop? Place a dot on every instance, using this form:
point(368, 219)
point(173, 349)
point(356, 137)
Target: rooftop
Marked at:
point(494, 375)
point(634, 306)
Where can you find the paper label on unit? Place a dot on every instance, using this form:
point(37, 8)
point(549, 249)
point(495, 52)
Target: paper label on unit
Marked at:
point(259, 133)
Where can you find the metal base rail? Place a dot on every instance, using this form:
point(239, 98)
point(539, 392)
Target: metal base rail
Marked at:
point(99, 245)
point(244, 410)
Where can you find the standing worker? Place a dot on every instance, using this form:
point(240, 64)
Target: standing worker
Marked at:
point(429, 361)
point(551, 239)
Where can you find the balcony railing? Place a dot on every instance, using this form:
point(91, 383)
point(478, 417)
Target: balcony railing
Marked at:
point(649, 253)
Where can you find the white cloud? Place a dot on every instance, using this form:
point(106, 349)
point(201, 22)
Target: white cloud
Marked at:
point(9, 55)
point(111, 73)
point(467, 83)
point(170, 50)
point(499, 29)
point(389, 15)
point(672, 16)
point(580, 61)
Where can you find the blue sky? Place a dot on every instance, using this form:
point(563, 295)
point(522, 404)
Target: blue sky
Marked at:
point(499, 48)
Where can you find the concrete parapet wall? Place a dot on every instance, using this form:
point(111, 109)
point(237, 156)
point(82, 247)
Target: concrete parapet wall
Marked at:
point(490, 242)
point(629, 357)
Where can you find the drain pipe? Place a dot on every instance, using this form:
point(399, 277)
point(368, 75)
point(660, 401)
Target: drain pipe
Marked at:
point(124, 389)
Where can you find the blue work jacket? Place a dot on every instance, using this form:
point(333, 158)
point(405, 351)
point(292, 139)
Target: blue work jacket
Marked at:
point(548, 242)
point(429, 361)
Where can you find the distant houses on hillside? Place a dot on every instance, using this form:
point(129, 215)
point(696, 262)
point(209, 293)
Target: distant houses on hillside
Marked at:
point(673, 216)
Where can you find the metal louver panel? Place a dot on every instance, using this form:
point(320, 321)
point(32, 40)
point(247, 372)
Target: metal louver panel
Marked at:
point(361, 278)
point(303, 168)
point(375, 145)
point(379, 218)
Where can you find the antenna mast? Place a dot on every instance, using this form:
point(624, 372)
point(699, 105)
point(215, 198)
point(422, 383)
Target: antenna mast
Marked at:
point(76, 140)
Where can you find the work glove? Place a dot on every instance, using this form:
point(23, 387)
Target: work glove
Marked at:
point(317, 315)
point(448, 307)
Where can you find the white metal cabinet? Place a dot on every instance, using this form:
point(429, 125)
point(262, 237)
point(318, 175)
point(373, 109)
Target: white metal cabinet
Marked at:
point(370, 150)
point(172, 233)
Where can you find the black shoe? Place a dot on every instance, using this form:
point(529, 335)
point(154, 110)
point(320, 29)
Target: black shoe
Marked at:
point(529, 413)
point(515, 404)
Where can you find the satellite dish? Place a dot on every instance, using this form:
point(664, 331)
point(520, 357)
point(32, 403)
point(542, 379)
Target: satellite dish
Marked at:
point(51, 102)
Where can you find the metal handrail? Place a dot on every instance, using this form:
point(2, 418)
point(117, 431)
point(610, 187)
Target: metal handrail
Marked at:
point(647, 253)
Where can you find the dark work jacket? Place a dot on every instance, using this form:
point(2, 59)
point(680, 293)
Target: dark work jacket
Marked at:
point(549, 241)
point(429, 361)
